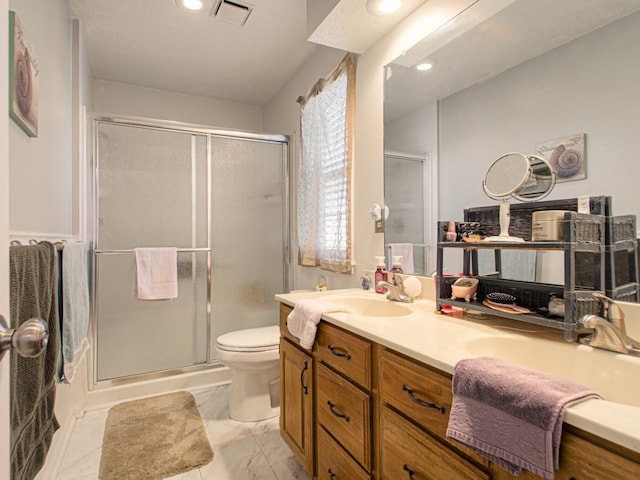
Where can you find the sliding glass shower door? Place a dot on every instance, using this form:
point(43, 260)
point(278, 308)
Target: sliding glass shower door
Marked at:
point(247, 233)
point(152, 192)
point(221, 200)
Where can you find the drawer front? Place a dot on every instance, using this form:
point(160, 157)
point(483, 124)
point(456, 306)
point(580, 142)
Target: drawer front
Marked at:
point(417, 391)
point(348, 354)
point(420, 393)
point(409, 453)
point(334, 463)
point(345, 411)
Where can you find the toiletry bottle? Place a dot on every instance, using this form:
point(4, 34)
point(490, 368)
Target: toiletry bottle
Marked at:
point(396, 267)
point(451, 232)
point(381, 275)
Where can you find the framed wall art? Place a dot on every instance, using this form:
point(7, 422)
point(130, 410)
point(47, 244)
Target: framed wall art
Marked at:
point(23, 76)
point(566, 156)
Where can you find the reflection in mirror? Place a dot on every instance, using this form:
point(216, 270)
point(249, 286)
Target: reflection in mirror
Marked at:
point(516, 77)
point(526, 178)
point(406, 228)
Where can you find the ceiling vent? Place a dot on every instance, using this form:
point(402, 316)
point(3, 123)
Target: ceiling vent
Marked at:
point(231, 11)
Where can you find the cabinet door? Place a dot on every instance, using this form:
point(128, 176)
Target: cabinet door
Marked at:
point(296, 402)
point(409, 453)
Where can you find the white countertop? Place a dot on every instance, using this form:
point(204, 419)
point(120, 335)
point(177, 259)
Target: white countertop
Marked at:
point(441, 341)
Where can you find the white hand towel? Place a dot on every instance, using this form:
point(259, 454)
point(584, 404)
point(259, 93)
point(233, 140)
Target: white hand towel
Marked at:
point(405, 250)
point(303, 321)
point(75, 307)
point(156, 273)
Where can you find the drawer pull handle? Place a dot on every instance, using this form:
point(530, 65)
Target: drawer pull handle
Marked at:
point(409, 471)
point(421, 402)
point(305, 389)
point(336, 413)
point(338, 352)
point(332, 475)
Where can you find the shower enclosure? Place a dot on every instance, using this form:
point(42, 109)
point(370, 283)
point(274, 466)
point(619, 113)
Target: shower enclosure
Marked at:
point(220, 197)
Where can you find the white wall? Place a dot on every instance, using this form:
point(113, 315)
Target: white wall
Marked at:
point(587, 86)
point(41, 191)
point(415, 133)
point(282, 114)
point(43, 170)
point(125, 99)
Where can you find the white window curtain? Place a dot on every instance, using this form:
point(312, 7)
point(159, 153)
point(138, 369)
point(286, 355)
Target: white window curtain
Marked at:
point(324, 173)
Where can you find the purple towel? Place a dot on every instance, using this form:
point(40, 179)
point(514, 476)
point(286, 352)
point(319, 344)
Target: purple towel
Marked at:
point(510, 414)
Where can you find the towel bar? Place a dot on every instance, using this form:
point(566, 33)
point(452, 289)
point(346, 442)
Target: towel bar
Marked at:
point(29, 339)
point(180, 250)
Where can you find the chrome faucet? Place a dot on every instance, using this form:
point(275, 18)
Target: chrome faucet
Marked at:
point(396, 290)
point(607, 331)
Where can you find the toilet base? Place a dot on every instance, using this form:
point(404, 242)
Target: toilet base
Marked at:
point(254, 395)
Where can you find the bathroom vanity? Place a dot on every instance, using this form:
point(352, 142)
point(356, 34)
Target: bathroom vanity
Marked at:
point(371, 399)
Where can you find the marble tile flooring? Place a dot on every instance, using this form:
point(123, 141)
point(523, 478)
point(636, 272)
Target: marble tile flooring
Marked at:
point(242, 451)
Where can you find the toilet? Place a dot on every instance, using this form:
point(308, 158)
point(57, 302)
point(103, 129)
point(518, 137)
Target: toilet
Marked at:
point(254, 359)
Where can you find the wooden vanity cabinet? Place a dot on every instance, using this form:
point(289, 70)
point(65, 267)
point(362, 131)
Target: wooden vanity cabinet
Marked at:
point(398, 411)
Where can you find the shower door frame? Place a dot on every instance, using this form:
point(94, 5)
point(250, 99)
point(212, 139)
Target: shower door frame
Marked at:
point(209, 133)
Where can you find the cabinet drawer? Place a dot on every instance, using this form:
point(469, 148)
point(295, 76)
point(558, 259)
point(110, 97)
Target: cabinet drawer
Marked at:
point(420, 393)
point(345, 411)
point(334, 463)
point(345, 352)
point(408, 452)
point(417, 391)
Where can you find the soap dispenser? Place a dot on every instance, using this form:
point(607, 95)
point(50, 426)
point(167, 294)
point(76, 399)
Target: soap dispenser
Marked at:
point(396, 266)
point(380, 275)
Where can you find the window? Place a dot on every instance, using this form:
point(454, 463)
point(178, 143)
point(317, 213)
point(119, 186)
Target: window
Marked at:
point(324, 172)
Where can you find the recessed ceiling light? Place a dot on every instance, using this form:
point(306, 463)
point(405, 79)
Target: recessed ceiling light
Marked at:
point(383, 7)
point(190, 4)
point(423, 67)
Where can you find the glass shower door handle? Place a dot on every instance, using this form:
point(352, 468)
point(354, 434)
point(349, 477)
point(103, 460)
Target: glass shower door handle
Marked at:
point(29, 339)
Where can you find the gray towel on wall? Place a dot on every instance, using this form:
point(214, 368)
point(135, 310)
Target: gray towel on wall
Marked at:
point(33, 293)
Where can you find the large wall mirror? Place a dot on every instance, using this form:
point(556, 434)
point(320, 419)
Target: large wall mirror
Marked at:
point(510, 76)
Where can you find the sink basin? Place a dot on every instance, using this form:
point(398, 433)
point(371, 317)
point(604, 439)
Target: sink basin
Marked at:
point(369, 306)
point(614, 376)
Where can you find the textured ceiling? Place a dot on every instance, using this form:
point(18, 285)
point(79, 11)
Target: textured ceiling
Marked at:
point(154, 43)
point(481, 43)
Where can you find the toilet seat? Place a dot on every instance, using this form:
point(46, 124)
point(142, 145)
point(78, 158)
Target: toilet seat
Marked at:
point(250, 340)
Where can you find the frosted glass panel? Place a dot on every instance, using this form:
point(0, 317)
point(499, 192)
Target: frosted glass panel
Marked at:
point(404, 195)
point(247, 233)
point(152, 188)
point(141, 336)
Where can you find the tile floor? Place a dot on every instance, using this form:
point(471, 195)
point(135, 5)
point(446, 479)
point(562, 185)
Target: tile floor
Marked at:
point(242, 451)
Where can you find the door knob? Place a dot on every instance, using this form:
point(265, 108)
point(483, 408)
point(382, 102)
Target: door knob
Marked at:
point(29, 339)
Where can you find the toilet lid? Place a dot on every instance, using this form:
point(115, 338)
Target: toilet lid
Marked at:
point(250, 340)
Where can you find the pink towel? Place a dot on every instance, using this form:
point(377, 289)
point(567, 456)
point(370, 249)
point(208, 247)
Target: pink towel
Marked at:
point(510, 414)
point(156, 273)
point(303, 320)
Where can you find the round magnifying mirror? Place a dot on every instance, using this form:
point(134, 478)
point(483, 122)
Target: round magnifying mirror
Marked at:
point(526, 178)
point(506, 176)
